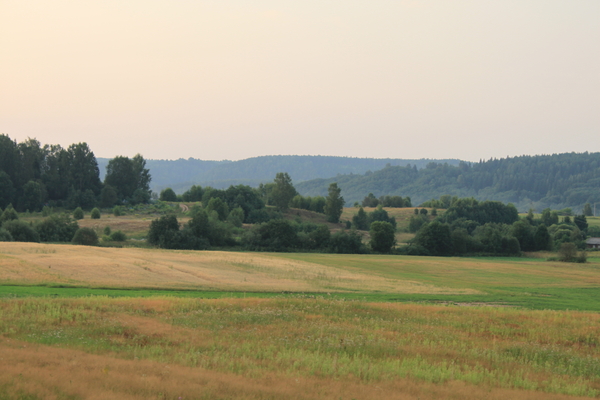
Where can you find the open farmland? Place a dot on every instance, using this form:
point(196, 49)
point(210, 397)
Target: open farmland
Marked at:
point(170, 348)
point(310, 326)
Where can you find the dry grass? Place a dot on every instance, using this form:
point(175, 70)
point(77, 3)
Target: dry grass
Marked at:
point(294, 349)
point(33, 263)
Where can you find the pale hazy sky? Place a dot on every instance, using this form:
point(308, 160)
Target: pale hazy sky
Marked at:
point(236, 79)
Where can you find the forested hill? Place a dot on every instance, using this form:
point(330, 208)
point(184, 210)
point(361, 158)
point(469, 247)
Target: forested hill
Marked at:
point(555, 181)
point(181, 174)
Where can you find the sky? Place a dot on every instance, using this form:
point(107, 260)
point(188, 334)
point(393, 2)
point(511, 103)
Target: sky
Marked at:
point(215, 80)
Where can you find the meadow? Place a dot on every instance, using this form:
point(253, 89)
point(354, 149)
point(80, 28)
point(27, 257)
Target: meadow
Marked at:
point(82, 322)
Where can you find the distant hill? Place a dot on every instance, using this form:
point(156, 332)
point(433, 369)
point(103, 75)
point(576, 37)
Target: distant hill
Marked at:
point(181, 174)
point(555, 181)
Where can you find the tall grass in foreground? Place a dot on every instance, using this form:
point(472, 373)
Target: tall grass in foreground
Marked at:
point(370, 343)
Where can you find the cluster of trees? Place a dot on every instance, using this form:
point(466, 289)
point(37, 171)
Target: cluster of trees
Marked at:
point(32, 175)
point(362, 220)
point(281, 194)
point(53, 228)
point(556, 181)
point(386, 201)
point(205, 230)
point(470, 227)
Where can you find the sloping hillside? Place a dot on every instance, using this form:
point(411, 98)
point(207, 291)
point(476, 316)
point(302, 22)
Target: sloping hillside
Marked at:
point(556, 181)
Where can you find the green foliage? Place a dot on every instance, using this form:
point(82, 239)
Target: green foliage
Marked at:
point(382, 236)
point(549, 217)
point(236, 217)
point(524, 233)
point(118, 236)
point(558, 180)
point(379, 214)
point(95, 214)
point(283, 191)
point(107, 230)
point(108, 196)
point(33, 197)
point(21, 231)
point(568, 253)
point(5, 235)
point(481, 212)
point(360, 221)
point(78, 213)
point(416, 222)
point(346, 242)
point(334, 203)
point(117, 211)
point(423, 211)
point(129, 178)
point(370, 201)
point(219, 206)
point(581, 222)
point(193, 194)
point(86, 237)
point(275, 235)
point(542, 238)
point(9, 214)
point(316, 203)
point(587, 210)
point(435, 237)
point(56, 228)
point(168, 195)
point(7, 190)
point(161, 227)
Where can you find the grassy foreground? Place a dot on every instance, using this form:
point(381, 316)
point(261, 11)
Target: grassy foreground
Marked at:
point(215, 325)
point(174, 348)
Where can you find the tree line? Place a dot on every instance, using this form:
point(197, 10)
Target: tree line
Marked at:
point(469, 226)
point(546, 181)
point(33, 175)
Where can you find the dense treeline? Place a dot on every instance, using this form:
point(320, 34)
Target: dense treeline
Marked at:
point(554, 181)
point(490, 227)
point(33, 175)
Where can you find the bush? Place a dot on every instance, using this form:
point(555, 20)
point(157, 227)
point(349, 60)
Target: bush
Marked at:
point(21, 231)
point(160, 227)
point(117, 211)
point(57, 228)
point(383, 237)
point(9, 214)
point(78, 213)
point(95, 214)
point(118, 236)
point(346, 242)
point(107, 230)
point(168, 195)
point(86, 237)
point(568, 253)
point(5, 235)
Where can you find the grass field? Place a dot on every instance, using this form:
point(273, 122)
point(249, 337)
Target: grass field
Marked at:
point(173, 348)
point(225, 325)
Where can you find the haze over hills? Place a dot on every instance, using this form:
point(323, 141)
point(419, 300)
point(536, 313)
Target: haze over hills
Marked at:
point(181, 174)
point(555, 181)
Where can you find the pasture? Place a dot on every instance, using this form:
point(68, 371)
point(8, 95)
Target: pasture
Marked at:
point(82, 322)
